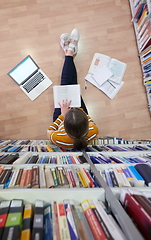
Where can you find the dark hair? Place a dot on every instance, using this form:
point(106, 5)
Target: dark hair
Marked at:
point(76, 125)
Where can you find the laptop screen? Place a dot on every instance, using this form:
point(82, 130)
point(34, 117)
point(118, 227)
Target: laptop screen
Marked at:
point(23, 70)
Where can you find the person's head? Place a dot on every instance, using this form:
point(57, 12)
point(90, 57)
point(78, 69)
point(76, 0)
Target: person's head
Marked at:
point(76, 125)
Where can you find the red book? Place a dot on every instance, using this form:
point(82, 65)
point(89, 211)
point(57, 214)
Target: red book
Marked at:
point(93, 222)
point(72, 178)
point(139, 215)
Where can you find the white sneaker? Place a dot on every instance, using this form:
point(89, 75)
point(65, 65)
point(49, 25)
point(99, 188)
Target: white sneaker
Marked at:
point(65, 39)
point(74, 38)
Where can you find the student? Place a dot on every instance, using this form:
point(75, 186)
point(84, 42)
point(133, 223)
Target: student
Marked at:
point(72, 128)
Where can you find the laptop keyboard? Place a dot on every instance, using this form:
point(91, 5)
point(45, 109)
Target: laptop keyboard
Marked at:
point(33, 82)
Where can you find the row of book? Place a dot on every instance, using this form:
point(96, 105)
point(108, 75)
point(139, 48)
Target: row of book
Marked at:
point(45, 177)
point(145, 57)
point(100, 158)
point(90, 148)
point(14, 158)
point(143, 24)
point(87, 220)
point(98, 141)
point(141, 16)
point(138, 207)
point(115, 148)
point(128, 176)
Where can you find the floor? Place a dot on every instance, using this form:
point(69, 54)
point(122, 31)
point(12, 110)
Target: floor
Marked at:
point(34, 28)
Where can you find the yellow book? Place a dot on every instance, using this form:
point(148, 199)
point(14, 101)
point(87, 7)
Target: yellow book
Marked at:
point(84, 184)
point(27, 216)
point(49, 149)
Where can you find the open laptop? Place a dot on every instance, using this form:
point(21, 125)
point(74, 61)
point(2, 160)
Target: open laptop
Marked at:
point(31, 79)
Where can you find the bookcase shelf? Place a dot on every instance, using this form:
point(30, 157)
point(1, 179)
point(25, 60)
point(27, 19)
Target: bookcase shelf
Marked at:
point(104, 193)
point(142, 48)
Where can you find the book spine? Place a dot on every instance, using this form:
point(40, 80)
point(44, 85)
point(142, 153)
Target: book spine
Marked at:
point(28, 178)
point(70, 221)
point(83, 227)
point(35, 177)
point(56, 230)
point(23, 178)
point(42, 177)
point(17, 183)
point(106, 234)
point(63, 226)
point(49, 178)
point(112, 229)
point(93, 223)
point(27, 220)
point(48, 234)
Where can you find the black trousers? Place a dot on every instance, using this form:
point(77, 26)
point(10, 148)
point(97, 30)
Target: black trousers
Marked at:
point(68, 77)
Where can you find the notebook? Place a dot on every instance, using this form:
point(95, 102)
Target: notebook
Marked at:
point(31, 79)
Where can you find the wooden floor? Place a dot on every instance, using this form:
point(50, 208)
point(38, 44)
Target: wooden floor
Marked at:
point(34, 27)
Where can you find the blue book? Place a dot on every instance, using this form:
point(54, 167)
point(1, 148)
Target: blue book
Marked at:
point(115, 159)
point(8, 180)
point(14, 149)
point(43, 160)
point(145, 171)
point(69, 159)
point(95, 160)
point(135, 173)
point(105, 159)
point(48, 234)
point(70, 221)
point(108, 178)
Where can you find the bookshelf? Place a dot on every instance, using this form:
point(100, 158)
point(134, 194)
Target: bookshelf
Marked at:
point(141, 18)
point(108, 195)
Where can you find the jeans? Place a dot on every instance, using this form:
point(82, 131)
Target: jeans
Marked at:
point(68, 77)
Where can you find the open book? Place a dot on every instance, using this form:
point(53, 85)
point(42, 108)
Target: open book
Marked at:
point(106, 74)
point(70, 92)
point(115, 66)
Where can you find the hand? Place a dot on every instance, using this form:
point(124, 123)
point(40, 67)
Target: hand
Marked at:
point(64, 106)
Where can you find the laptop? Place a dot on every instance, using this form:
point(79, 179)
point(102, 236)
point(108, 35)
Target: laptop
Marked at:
point(31, 79)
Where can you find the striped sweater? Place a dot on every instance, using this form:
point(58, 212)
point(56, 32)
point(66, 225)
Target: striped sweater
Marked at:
point(58, 135)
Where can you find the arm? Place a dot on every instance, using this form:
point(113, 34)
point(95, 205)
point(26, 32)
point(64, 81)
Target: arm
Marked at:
point(55, 125)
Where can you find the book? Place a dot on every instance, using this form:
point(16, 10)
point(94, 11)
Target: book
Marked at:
point(70, 220)
point(48, 231)
point(145, 172)
point(63, 225)
point(138, 180)
point(38, 220)
point(81, 222)
point(100, 220)
point(110, 88)
point(69, 92)
point(107, 221)
point(93, 222)
point(13, 224)
point(116, 67)
point(138, 214)
point(27, 222)
point(144, 202)
point(4, 208)
point(34, 182)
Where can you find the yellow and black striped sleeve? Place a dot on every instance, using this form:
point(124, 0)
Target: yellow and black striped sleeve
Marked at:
point(55, 125)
